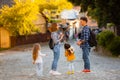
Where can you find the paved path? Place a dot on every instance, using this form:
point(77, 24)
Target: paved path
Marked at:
point(16, 64)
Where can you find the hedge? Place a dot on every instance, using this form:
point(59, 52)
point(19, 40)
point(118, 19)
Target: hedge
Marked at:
point(109, 41)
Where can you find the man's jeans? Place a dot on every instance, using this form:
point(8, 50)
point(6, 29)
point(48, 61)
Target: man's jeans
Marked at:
point(85, 56)
point(56, 51)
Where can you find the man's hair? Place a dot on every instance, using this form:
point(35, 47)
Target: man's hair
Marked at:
point(84, 19)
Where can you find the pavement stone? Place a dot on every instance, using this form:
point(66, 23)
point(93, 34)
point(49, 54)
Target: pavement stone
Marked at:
point(16, 64)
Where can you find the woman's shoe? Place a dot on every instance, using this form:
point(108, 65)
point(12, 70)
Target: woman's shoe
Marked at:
point(55, 72)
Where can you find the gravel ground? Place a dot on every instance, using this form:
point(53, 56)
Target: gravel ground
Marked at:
point(16, 64)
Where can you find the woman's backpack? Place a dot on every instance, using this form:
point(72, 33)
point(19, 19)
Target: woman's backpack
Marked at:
point(51, 43)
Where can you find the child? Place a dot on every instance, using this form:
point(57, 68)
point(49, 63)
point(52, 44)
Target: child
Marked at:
point(37, 59)
point(69, 53)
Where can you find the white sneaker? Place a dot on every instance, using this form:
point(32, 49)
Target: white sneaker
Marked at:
point(51, 71)
point(56, 73)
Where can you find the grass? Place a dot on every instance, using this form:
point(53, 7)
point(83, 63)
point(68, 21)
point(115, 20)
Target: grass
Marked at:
point(1, 49)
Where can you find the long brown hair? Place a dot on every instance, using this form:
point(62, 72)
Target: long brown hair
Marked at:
point(53, 27)
point(36, 48)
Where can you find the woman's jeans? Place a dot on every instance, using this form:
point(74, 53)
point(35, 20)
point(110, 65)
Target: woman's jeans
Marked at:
point(56, 51)
point(85, 56)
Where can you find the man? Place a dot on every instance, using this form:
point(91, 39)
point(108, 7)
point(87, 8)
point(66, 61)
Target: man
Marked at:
point(83, 43)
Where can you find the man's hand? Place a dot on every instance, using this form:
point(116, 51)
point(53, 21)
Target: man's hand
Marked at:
point(79, 43)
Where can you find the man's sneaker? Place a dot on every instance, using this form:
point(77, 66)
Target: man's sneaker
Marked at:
point(56, 73)
point(86, 70)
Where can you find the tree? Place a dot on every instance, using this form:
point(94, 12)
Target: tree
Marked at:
point(103, 11)
point(107, 10)
point(75, 2)
point(51, 5)
point(46, 7)
point(18, 19)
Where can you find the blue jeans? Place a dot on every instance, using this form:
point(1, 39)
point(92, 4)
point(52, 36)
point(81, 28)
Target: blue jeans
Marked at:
point(85, 56)
point(56, 51)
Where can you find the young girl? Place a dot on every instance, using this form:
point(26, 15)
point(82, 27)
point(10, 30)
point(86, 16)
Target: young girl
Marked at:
point(69, 53)
point(37, 59)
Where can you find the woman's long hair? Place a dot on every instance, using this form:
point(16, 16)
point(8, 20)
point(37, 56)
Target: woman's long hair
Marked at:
point(53, 27)
point(36, 48)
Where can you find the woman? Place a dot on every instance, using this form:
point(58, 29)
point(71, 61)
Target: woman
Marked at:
point(57, 37)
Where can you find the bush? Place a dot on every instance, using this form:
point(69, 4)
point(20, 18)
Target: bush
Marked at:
point(109, 41)
point(55, 21)
point(105, 37)
point(1, 49)
point(114, 46)
point(18, 19)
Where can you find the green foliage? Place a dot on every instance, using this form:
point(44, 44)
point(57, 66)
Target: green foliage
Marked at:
point(18, 19)
point(104, 11)
point(84, 5)
point(55, 21)
point(109, 41)
point(1, 23)
point(1, 49)
point(53, 4)
point(98, 16)
point(75, 2)
point(49, 6)
point(110, 24)
point(105, 37)
point(114, 46)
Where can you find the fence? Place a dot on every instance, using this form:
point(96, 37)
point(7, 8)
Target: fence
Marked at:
point(4, 38)
point(20, 40)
